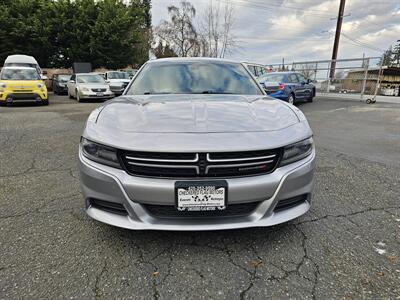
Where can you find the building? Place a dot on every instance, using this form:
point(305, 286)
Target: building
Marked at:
point(389, 81)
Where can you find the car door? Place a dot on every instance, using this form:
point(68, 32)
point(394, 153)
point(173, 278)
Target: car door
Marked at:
point(306, 87)
point(296, 86)
point(71, 85)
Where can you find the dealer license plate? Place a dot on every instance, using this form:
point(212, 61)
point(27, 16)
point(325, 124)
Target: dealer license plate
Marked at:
point(200, 195)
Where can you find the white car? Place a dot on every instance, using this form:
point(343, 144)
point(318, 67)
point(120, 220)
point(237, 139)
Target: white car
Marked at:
point(117, 80)
point(88, 86)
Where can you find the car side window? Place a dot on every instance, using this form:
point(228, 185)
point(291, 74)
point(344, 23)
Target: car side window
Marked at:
point(293, 78)
point(301, 78)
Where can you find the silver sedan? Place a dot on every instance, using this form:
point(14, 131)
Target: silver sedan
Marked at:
point(195, 144)
point(84, 86)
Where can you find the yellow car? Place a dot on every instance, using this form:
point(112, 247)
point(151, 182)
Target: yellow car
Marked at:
point(22, 84)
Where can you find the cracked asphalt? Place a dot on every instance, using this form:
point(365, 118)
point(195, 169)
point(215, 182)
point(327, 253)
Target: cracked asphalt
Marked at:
point(346, 247)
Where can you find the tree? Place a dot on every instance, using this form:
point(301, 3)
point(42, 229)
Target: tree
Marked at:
point(386, 59)
point(179, 31)
point(217, 29)
point(107, 33)
point(162, 51)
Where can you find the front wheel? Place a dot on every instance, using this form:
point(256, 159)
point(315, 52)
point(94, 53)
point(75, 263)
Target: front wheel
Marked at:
point(45, 102)
point(291, 99)
point(78, 98)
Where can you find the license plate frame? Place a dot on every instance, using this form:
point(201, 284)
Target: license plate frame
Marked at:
point(99, 94)
point(198, 185)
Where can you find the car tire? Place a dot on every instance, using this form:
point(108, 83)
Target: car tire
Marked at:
point(291, 99)
point(45, 102)
point(69, 95)
point(55, 91)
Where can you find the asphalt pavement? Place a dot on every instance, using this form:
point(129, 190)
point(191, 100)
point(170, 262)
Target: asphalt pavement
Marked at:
point(346, 247)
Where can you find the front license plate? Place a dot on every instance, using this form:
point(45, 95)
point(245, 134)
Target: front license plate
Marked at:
point(200, 195)
point(100, 94)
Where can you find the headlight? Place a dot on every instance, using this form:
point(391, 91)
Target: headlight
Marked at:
point(99, 153)
point(297, 151)
point(3, 85)
point(84, 89)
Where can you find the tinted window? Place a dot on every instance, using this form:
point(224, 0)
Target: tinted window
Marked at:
point(272, 78)
point(301, 77)
point(118, 75)
point(19, 74)
point(293, 78)
point(63, 78)
point(193, 78)
point(90, 79)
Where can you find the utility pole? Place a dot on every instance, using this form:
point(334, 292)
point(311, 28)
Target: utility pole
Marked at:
point(337, 37)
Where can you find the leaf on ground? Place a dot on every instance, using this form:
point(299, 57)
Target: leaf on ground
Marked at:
point(380, 273)
point(391, 258)
point(256, 263)
point(156, 273)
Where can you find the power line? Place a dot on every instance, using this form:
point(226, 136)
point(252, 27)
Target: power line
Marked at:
point(267, 7)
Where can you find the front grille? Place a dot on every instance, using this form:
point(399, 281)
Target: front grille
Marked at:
point(98, 90)
point(22, 91)
point(112, 207)
point(24, 96)
point(290, 202)
point(170, 211)
point(183, 165)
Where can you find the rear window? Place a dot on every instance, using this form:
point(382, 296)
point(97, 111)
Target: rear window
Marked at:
point(273, 78)
point(194, 78)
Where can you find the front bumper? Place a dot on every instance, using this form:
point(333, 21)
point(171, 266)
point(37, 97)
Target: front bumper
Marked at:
point(94, 95)
point(116, 186)
point(36, 96)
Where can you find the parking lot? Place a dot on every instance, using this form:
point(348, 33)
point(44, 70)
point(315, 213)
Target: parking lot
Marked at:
point(347, 246)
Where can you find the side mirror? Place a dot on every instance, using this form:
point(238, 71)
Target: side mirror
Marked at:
point(71, 81)
point(308, 81)
point(43, 77)
point(107, 81)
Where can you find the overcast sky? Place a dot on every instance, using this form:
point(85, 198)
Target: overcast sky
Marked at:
point(302, 29)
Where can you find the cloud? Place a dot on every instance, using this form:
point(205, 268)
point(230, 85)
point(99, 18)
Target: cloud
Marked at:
point(302, 29)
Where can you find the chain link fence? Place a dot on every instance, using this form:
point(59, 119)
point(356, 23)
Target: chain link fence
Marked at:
point(358, 77)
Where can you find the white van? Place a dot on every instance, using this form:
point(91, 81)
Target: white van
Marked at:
point(19, 60)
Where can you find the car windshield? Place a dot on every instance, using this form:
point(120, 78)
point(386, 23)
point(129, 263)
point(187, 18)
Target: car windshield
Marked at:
point(118, 75)
point(272, 78)
point(95, 78)
point(63, 78)
point(194, 78)
point(19, 74)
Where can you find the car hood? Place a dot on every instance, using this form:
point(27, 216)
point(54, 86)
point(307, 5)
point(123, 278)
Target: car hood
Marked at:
point(94, 85)
point(196, 123)
point(195, 114)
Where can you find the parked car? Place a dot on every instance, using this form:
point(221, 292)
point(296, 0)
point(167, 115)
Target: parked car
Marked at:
point(288, 86)
point(22, 84)
point(131, 72)
point(256, 69)
point(59, 83)
point(88, 86)
point(195, 144)
point(20, 60)
point(117, 80)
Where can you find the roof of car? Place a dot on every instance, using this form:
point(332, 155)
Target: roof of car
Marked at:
point(19, 68)
point(20, 58)
point(93, 73)
point(189, 59)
